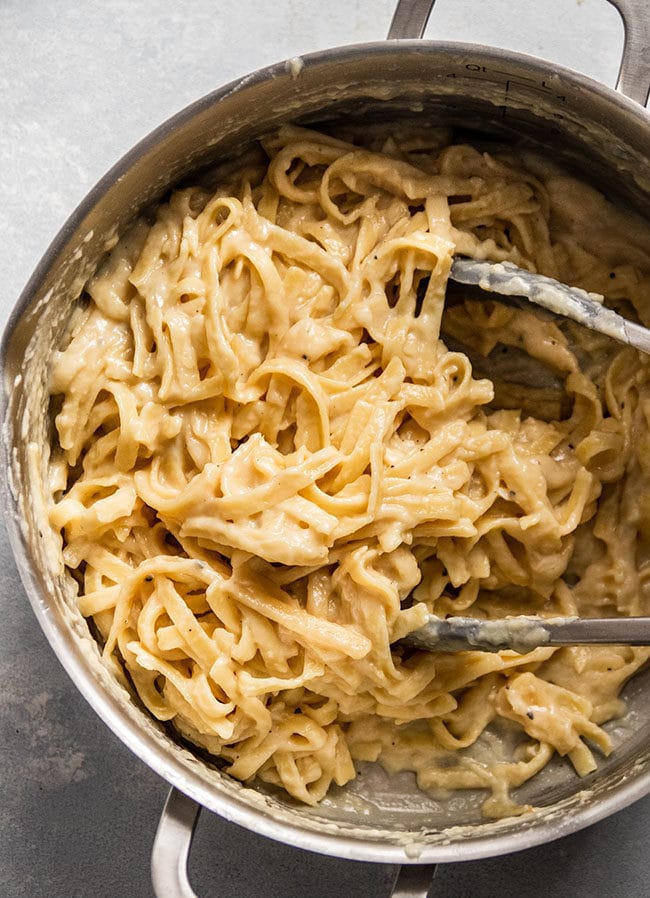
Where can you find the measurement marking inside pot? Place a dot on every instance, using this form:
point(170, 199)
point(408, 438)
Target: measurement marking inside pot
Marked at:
point(475, 67)
point(542, 87)
point(537, 86)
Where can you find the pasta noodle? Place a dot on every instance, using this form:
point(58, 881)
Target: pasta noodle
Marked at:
point(275, 458)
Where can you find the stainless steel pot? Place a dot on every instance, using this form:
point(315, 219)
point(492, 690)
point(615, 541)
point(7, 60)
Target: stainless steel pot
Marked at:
point(602, 134)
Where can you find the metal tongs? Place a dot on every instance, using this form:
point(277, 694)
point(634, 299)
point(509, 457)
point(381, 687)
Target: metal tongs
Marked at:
point(507, 280)
point(523, 634)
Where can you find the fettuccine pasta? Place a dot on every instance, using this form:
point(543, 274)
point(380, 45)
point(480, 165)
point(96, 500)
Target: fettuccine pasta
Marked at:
point(275, 458)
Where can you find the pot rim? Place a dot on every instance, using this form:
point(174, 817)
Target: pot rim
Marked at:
point(66, 644)
point(269, 73)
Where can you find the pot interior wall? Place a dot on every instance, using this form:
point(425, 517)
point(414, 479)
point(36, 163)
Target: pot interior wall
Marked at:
point(483, 93)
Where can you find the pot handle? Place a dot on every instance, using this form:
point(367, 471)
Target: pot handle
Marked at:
point(411, 17)
point(171, 847)
point(413, 881)
point(173, 840)
point(634, 74)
